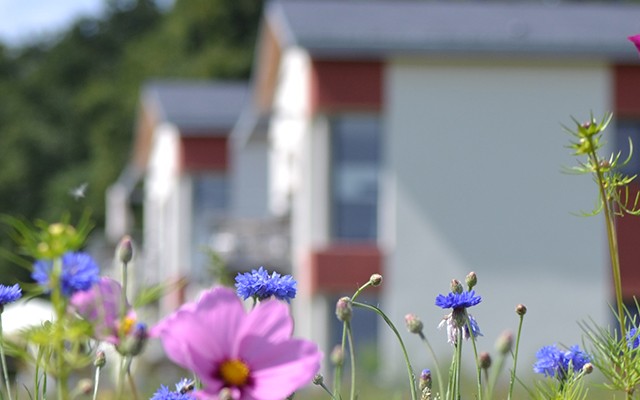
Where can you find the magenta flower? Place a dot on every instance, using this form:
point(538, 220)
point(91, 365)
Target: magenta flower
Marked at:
point(101, 306)
point(252, 354)
point(635, 39)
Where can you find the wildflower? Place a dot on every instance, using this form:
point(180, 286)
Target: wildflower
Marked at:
point(185, 385)
point(554, 362)
point(9, 294)
point(458, 300)
point(260, 285)
point(101, 306)
point(459, 319)
point(632, 339)
point(249, 354)
point(164, 393)
point(79, 272)
point(635, 39)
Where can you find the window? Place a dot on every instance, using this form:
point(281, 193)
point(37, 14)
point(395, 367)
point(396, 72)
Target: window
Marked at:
point(355, 149)
point(210, 202)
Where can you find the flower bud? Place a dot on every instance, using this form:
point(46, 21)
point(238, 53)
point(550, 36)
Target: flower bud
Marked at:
point(456, 286)
point(504, 344)
point(471, 280)
point(100, 360)
point(343, 309)
point(125, 250)
point(134, 343)
point(414, 325)
point(587, 368)
point(521, 309)
point(485, 360)
point(425, 379)
point(318, 379)
point(376, 279)
point(337, 355)
point(85, 386)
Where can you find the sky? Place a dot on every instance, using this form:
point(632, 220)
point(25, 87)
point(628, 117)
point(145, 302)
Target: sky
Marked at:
point(24, 20)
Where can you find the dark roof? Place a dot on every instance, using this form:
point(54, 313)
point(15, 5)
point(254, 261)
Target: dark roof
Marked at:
point(196, 106)
point(378, 28)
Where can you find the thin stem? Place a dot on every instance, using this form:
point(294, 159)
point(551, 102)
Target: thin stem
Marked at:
point(475, 354)
point(412, 378)
point(337, 378)
point(96, 382)
point(435, 360)
point(458, 367)
point(612, 238)
point(132, 385)
point(352, 358)
point(5, 372)
point(515, 358)
point(326, 389)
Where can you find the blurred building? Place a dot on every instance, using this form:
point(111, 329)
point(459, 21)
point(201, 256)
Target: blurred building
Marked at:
point(420, 140)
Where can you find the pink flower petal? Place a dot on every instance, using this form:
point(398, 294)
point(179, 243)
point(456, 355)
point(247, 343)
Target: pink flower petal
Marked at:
point(636, 41)
point(279, 369)
point(270, 320)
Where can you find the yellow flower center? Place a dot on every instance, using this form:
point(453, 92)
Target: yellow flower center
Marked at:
point(127, 325)
point(234, 372)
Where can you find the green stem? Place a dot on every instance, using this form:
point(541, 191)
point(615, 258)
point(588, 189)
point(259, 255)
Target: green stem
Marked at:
point(458, 355)
point(352, 358)
point(337, 378)
point(326, 389)
point(412, 378)
point(4, 359)
point(96, 382)
point(515, 358)
point(435, 361)
point(612, 239)
point(475, 354)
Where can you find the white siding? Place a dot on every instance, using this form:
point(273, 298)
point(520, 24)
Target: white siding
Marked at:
point(474, 153)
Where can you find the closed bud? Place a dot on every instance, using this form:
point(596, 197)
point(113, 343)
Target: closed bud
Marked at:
point(485, 360)
point(414, 325)
point(521, 309)
point(587, 368)
point(343, 309)
point(125, 250)
point(100, 359)
point(318, 379)
point(504, 342)
point(425, 379)
point(376, 279)
point(337, 356)
point(471, 280)
point(85, 386)
point(456, 286)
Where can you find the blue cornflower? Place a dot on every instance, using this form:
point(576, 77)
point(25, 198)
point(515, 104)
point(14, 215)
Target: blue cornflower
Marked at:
point(458, 300)
point(459, 320)
point(260, 285)
point(79, 273)
point(9, 294)
point(554, 362)
point(165, 394)
point(633, 341)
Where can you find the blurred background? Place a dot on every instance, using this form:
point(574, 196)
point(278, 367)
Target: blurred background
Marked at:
point(331, 140)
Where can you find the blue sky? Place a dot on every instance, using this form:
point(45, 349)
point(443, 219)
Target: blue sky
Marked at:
point(22, 20)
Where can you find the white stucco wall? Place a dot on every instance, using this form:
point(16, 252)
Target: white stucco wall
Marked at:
point(167, 210)
point(474, 151)
point(249, 178)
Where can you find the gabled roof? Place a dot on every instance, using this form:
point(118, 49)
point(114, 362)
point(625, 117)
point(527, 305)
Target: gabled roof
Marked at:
point(196, 105)
point(379, 28)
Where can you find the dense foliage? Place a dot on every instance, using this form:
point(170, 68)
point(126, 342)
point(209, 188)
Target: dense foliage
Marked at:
point(68, 103)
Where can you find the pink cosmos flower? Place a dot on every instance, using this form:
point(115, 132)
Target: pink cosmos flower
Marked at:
point(252, 354)
point(101, 306)
point(636, 41)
